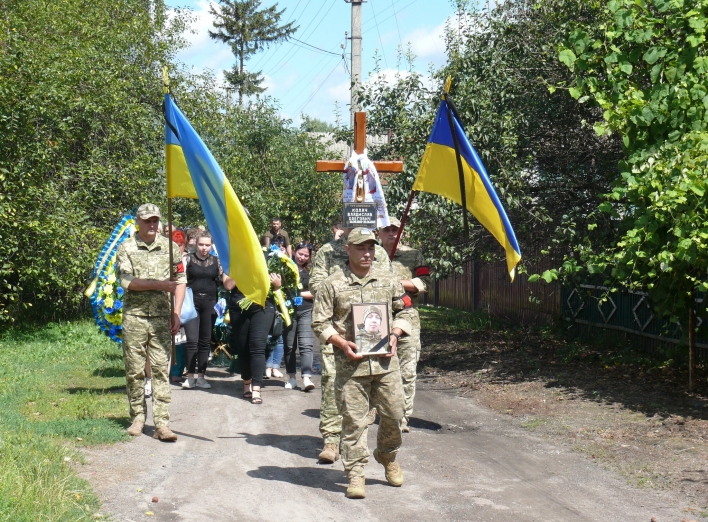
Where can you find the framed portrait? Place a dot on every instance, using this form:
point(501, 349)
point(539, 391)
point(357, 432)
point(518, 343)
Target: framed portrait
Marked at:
point(371, 328)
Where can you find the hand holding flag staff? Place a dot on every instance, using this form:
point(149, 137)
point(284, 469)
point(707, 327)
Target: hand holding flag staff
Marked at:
point(450, 150)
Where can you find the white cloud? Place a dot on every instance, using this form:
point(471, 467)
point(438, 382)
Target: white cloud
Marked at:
point(203, 52)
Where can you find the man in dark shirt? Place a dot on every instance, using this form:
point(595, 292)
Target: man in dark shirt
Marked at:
point(275, 230)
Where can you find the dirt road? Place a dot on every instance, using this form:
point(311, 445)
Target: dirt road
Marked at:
point(462, 461)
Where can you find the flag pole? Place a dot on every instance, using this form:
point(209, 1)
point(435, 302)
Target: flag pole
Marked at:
point(463, 194)
point(173, 352)
point(403, 223)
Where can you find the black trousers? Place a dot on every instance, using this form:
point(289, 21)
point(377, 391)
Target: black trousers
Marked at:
point(249, 329)
point(199, 334)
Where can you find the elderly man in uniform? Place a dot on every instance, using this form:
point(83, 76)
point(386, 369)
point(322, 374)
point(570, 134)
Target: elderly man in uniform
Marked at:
point(361, 381)
point(330, 258)
point(144, 267)
point(409, 266)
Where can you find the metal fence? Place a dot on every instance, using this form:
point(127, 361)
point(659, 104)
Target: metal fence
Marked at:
point(629, 315)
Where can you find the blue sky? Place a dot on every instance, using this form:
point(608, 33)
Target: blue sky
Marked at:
point(305, 80)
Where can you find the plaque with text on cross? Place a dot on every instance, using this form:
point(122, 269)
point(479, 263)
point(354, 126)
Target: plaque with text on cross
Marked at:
point(359, 146)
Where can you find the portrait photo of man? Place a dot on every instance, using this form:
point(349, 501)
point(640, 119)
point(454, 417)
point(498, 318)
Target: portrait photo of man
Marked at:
point(371, 322)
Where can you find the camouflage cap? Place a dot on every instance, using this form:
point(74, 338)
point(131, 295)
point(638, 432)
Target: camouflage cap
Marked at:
point(373, 309)
point(360, 235)
point(147, 211)
point(392, 222)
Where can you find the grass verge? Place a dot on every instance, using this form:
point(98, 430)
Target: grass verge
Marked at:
point(62, 387)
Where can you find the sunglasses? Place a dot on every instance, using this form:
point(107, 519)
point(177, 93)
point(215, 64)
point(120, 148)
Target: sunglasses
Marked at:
point(303, 245)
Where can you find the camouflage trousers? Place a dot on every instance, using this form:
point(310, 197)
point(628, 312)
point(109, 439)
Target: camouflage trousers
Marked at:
point(143, 336)
point(330, 420)
point(408, 351)
point(354, 395)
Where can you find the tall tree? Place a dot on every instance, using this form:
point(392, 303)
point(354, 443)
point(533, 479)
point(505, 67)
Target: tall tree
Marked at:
point(248, 29)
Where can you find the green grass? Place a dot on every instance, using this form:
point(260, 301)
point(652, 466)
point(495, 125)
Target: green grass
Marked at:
point(451, 320)
point(62, 386)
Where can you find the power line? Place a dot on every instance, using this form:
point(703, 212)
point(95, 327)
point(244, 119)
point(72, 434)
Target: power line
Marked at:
point(400, 40)
point(391, 16)
point(314, 46)
point(308, 25)
point(306, 77)
point(379, 31)
point(282, 61)
point(302, 107)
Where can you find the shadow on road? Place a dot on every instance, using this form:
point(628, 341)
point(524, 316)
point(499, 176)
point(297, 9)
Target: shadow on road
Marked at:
point(304, 445)
point(312, 413)
point(325, 479)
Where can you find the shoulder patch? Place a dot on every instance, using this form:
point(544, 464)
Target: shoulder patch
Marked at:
point(179, 268)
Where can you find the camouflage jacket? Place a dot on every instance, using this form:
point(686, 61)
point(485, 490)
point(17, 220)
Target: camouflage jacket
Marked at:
point(333, 256)
point(332, 314)
point(408, 263)
point(147, 261)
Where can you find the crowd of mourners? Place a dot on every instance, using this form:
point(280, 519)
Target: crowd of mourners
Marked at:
point(259, 339)
point(368, 362)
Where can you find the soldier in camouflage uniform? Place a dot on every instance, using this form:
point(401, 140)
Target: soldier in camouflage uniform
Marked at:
point(330, 258)
point(363, 380)
point(409, 266)
point(369, 334)
point(144, 272)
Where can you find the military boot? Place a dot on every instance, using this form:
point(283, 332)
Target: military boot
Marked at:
point(394, 473)
point(356, 488)
point(136, 428)
point(165, 434)
point(330, 453)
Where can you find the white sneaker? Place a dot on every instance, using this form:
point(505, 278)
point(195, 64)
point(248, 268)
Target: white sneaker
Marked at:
point(189, 383)
point(268, 373)
point(202, 383)
point(148, 388)
point(277, 373)
point(307, 384)
point(291, 384)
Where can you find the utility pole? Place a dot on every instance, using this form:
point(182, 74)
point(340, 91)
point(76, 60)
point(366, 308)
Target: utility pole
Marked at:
point(356, 54)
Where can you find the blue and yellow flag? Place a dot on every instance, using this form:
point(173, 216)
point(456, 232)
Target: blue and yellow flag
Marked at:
point(439, 174)
point(193, 172)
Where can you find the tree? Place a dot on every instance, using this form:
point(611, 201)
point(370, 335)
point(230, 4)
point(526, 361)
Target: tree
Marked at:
point(311, 124)
point(645, 64)
point(248, 30)
point(550, 169)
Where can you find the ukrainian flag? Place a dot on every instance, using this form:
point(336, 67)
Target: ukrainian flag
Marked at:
point(439, 174)
point(193, 172)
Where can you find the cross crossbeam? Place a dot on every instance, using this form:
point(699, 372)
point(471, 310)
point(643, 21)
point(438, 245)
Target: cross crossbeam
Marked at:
point(359, 146)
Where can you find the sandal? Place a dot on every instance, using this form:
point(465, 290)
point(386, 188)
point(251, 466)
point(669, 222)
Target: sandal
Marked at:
point(256, 399)
point(247, 393)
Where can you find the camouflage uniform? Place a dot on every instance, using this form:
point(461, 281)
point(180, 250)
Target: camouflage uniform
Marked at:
point(146, 318)
point(330, 258)
point(408, 263)
point(374, 379)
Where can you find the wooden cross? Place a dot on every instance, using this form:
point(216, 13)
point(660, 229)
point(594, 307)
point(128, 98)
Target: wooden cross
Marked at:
point(359, 146)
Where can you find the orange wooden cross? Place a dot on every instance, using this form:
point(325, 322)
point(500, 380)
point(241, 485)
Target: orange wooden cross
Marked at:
point(359, 146)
